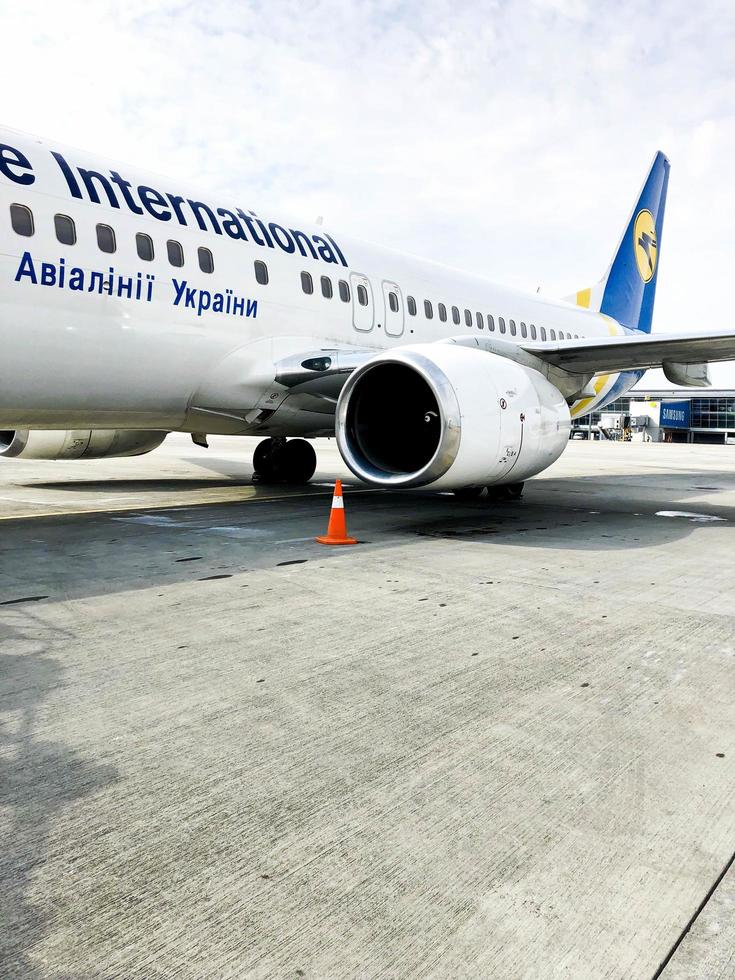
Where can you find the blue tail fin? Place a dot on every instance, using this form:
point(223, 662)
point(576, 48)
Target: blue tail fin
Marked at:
point(630, 285)
point(627, 291)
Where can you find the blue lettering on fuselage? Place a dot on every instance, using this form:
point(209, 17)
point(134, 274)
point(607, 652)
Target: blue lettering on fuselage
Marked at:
point(139, 287)
point(113, 190)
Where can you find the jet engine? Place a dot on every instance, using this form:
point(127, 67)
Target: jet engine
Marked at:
point(448, 416)
point(78, 443)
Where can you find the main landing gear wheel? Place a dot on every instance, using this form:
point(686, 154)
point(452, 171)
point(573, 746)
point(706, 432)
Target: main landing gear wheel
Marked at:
point(509, 491)
point(468, 493)
point(279, 461)
point(300, 461)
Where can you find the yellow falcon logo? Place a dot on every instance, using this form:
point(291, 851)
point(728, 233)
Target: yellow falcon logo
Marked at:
point(645, 244)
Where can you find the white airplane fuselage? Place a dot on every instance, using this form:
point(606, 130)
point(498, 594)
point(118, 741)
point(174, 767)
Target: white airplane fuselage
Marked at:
point(109, 340)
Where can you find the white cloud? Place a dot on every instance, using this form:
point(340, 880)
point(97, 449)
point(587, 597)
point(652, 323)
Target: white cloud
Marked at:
point(506, 138)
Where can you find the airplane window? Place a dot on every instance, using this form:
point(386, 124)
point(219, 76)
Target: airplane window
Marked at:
point(66, 233)
point(106, 238)
point(442, 312)
point(512, 325)
point(468, 318)
point(344, 291)
point(206, 260)
point(393, 302)
point(144, 245)
point(428, 310)
point(501, 324)
point(307, 285)
point(490, 322)
point(362, 295)
point(21, 218)
point(543, 332)
point(524, 331)
point(552, 333)
point(326, 287)
point(261, 272)
point(480, 320)
point(533, 331)
point(175, 253)
point(411, 304)
point(455, 315)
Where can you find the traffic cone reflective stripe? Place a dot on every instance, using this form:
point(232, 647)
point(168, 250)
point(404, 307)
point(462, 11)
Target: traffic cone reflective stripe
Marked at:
point(337, 528)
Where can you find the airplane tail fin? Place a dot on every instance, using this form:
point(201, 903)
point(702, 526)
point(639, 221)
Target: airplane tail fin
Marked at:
point(627, 290)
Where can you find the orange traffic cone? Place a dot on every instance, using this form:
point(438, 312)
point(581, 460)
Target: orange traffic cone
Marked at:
point(337, 529)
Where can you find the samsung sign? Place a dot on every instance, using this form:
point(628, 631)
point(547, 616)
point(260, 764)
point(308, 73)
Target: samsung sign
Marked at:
point(675, 415)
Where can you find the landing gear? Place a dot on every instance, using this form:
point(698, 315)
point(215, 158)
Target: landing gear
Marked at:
point(495, 494)
point(299, 461)
point(509, 491)
point(468, 493)
point(279, 461)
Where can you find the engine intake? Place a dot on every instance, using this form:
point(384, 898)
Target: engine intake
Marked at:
point(400, 420)
point(448, 416)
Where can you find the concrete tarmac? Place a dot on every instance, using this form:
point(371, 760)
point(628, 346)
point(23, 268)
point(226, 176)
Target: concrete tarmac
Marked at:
point(491, 740)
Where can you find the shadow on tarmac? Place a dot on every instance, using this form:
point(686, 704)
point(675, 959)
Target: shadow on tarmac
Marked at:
point(39, 779)
point(145, 485)
point(67, 556)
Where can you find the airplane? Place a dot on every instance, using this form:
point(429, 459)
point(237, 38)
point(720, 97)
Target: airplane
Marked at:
point(130, 309)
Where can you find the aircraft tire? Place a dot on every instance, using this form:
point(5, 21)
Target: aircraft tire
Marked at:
point(298, 461)
point(262, 452)
point(268, 460)
point(509, 491)
point(468, 493)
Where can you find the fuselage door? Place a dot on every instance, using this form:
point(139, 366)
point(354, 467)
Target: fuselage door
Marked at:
point(363, 305)
point(393, 299)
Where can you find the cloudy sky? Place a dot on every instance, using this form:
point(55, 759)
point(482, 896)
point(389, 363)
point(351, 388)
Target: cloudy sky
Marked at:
point(506, 138)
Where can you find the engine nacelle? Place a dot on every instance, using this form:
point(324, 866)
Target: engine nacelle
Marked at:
point(448, 416)
point(78, 443)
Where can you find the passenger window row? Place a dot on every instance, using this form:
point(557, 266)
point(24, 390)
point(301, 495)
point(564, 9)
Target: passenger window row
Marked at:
point(477, 319)
point(22, 222)
point(327, 291)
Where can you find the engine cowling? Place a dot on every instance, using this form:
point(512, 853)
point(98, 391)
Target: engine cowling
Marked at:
point(78, 443)
point(447, 416)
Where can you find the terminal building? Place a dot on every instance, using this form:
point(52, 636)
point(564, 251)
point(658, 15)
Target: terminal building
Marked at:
point(701, 415)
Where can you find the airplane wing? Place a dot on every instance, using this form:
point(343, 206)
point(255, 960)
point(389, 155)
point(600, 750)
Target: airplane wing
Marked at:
point(318, 375)
point(596, 355)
